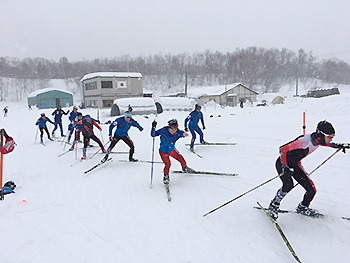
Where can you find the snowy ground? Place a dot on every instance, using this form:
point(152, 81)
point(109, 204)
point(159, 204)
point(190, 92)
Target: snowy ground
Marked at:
point(112, 214)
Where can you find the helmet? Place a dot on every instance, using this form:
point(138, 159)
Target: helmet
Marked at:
point(88, 117)
point(325, 127)
point(10, 184)
point(42, 114)
point(198, 107)
point(127, 114)
point(75, 108)
point(173, 122)
point(79, 114)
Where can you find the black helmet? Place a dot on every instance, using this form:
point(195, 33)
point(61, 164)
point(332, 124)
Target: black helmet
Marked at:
point(79, 114)
point(197, 107)
point(42, 114)
point(10, 184)
point(325, 127)
point(173, 122)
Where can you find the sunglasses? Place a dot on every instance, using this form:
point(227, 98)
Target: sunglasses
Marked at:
point(174, 126)
point(327, 136)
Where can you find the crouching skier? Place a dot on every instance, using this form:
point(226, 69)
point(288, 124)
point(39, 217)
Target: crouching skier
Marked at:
point(288, 165)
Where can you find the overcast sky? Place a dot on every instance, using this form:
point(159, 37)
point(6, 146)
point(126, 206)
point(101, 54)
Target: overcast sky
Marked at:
point(88, 29)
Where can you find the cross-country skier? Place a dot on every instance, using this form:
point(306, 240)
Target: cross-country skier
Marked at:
point(72, 118)
point(192, 120)
point(288, 165)
point(58, 119)
point(6, 109)
point(77, 127)
point(168, 137)
point(87, 125)
point(42, 126)
point(123, 125)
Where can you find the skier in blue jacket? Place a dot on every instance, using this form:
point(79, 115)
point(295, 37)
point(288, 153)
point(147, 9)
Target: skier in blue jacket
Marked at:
point(168, 137)
point(58, 119)
point(72, 119)
point(193, 119)
point(123, 125)
point(42, 126)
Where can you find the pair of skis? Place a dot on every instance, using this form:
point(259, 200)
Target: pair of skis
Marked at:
point(167, 188)
point(208, 144)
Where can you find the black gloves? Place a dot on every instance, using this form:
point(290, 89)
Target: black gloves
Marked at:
point(203, 127)
point(154, 124)
point(186, 129)
point(342, 146)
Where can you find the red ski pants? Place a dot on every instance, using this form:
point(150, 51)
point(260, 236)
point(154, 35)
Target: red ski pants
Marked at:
point(166, 160)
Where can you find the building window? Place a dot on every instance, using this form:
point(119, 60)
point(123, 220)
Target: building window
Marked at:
point(106, 85)
point(107, 103)
point(91, 85)
point(91, 103)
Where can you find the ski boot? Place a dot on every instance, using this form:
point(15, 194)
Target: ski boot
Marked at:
point(191, 149)
point(71, 148)
point(204, 143)
point(188, 170)
point(307, 211)
point(132, 159)
point(51, 139)
point(104, 150)
point(104, 159)
point(273, 210)
point(83, 158)
point(166, 179)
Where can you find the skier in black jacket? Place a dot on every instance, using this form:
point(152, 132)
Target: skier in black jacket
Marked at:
point(288, 165)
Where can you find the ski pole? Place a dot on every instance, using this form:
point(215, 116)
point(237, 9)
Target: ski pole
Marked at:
point(36, 135)
point(270, 181)
point(102, 137)
point(104, 146)
point(241, 195)
point(152, 162)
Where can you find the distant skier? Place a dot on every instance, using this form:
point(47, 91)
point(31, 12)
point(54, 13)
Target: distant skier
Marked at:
point(168, 137)
point(123, 125)
point(288, 165)
point(6, 109)
point(42, 126)
point(129, 108)
point(87, 124)
point(241, 102)
point(192, 120)
point(72, 119)
point(58, 119)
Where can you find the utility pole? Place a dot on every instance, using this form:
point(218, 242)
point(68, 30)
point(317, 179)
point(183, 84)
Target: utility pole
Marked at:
point(186, 84)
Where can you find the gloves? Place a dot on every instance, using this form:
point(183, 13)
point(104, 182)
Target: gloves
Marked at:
point(186, 129)
point(154, 124)
point(341, 145)
point(110, 137)
point(286, 170)
point(203, 127)
point(141, 129)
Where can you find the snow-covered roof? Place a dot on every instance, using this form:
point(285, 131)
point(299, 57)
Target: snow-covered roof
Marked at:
point(112, 74)
point(210, 91)
point(134, 101)
point(40, 91)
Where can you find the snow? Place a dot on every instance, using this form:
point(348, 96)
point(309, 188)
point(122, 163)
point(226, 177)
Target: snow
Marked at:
point(112, 74)
point(112, 214)
point(211, 90)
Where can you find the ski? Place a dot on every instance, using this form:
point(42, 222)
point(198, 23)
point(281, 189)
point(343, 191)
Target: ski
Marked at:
point(139, 161)
point(213, 143)
point(200, 156)
point(345, 218)
point(64, 153)
point(167, 189)
point(97, 165)
point(281, 233)
point(281, 211)
point(207, 173)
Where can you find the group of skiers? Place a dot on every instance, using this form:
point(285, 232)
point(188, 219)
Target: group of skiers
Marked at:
point(288, 164)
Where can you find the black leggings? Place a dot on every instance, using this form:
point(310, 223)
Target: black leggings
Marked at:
point(125, 139)
point(301, 177)
point(42, 132)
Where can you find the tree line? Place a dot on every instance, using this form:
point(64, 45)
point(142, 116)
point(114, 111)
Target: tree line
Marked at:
point(252, 66)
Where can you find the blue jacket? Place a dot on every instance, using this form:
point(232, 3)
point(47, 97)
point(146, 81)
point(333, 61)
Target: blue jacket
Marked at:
point(123, 127)
point(193, 119)
point(167, 140)
point(72, 117)
point(58, 114)
point(42, 123)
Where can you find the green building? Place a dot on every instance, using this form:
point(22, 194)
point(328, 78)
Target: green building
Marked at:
point(50, 98)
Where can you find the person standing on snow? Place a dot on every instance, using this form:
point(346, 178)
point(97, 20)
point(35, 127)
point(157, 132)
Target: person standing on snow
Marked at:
point(168, 137)
point(123, 125)
point(6, 109)
point(72, 118)
point(87, 125)
point(288, 165)
point(58, 119)
point(77, 127)
point(42, 126)
point(193, 119)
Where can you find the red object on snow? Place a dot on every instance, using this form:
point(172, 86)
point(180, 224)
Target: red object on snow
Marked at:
point(8, 146)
